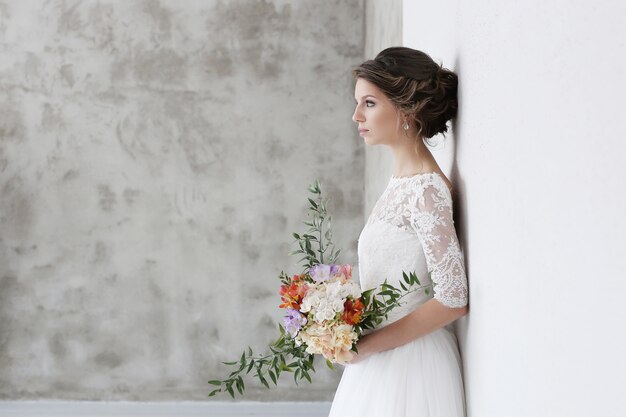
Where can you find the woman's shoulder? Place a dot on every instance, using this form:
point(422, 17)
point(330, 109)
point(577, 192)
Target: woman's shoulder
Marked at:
point(446, 181)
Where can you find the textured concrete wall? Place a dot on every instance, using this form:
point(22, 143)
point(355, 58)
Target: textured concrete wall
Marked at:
point(154, 160)
point(383, 29)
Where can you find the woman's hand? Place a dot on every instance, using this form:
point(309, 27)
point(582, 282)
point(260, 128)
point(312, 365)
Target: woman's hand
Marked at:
point(364, 351)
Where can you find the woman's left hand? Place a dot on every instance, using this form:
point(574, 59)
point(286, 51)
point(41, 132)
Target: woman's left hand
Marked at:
point(362, 346)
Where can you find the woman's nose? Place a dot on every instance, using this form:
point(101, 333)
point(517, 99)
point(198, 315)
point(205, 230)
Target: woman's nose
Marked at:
point(357, 116)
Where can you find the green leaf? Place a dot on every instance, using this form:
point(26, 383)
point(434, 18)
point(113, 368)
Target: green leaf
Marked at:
point(307, 376)
point(238, 385)
point(263, 381)
point(273, 377)
point(215, 382)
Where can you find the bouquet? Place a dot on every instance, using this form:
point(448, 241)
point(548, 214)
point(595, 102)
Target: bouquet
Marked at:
point(326, 311)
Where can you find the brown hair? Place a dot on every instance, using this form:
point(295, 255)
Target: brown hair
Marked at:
point(417, 85)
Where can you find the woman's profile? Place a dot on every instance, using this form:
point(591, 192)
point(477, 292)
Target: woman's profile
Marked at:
point(410, 365)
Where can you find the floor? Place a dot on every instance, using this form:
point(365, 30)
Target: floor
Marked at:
point(162, 409)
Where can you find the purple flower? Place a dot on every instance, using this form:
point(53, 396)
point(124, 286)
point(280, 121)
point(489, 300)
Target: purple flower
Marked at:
point(321, 272)
point(293, 321)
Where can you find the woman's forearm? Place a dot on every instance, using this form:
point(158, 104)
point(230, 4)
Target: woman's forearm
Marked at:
point(428, 317)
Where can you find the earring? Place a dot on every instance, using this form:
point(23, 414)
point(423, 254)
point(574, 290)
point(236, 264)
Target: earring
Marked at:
point(405, 126)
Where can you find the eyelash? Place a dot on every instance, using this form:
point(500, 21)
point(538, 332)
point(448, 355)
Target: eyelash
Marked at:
point(368, 102)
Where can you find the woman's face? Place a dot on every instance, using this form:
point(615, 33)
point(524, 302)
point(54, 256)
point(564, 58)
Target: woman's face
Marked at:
point(376, 113)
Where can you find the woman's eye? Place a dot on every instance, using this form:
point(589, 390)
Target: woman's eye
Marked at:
point(369, 102)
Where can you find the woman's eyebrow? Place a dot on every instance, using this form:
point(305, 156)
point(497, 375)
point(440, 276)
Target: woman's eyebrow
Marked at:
point(367, 95)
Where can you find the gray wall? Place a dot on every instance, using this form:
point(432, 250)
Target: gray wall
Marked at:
point(154, 160)
point(383, 29)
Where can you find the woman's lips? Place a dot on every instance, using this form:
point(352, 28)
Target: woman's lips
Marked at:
point(362, 131)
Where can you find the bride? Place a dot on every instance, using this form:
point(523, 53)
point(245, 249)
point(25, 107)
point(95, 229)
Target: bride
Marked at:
point(410, 365)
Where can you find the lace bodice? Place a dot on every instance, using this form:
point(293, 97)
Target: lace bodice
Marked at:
point(411, 229)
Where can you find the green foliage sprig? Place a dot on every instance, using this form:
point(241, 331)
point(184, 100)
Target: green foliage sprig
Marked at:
point(271, 365)
point(323, 239)
point(379, 305)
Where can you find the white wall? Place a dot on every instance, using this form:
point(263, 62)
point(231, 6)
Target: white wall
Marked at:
point(538, 149)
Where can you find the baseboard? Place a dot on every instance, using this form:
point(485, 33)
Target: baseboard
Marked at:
point(162, 409)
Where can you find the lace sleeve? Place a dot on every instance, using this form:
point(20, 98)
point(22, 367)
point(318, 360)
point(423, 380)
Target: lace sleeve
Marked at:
point(431, 218)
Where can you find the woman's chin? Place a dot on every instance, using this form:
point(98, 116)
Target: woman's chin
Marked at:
point(369, 141)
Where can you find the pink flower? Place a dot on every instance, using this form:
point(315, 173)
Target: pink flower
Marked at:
point(346, 271)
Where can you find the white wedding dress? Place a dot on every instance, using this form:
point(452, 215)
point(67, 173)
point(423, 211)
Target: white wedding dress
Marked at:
point(410, 229)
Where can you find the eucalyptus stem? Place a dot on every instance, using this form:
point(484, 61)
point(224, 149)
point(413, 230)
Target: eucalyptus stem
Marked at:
point(321, 251)
point(271, 364)
point(316, 232)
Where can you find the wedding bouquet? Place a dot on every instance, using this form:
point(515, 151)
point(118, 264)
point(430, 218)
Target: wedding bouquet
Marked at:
point(323, 308)
point(326, 311)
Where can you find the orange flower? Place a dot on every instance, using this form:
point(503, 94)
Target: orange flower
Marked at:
point(352, 311)
point(292, 294)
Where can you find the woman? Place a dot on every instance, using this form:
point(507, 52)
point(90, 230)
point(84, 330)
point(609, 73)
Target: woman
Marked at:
point(410, 365)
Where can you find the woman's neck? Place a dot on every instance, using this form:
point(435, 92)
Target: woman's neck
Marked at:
point(408, 161)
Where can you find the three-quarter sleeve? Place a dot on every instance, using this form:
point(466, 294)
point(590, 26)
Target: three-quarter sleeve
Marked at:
point(431, 218)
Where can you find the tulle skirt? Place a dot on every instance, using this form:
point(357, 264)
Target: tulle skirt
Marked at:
point(419, 379)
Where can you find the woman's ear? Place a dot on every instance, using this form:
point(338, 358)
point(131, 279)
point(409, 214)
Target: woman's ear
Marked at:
point(406, 116)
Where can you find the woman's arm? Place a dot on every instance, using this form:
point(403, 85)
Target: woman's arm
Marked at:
point(431, 218)
point(427, 318)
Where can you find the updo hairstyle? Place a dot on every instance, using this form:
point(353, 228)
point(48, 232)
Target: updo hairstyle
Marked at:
point(416, 84)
